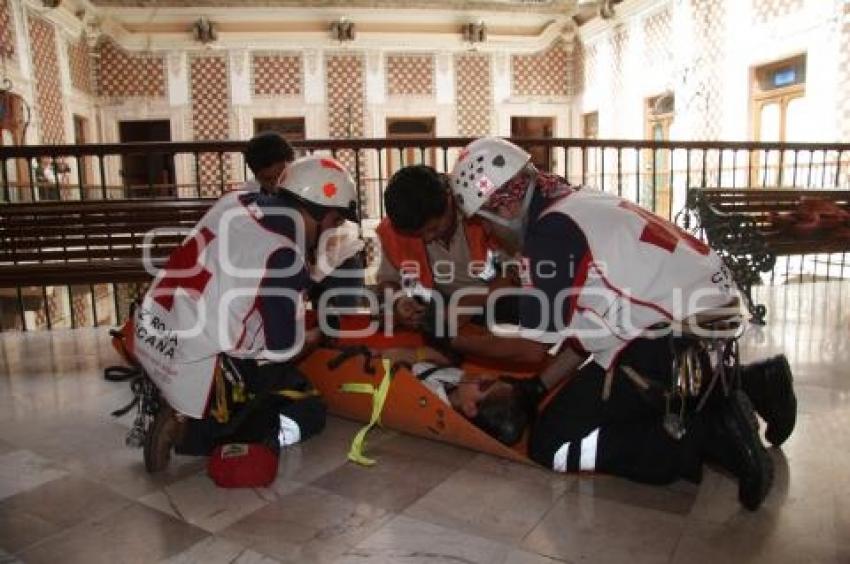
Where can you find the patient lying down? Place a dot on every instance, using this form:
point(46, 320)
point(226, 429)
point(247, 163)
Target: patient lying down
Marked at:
point(496, 405)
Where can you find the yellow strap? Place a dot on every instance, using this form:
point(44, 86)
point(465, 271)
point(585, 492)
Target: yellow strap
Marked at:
point(296, 395)
point(220, 411)
point(379, 396)
point(358, 388)
point(238, 393)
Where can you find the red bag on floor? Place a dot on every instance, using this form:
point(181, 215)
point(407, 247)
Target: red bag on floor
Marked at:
point(243, 465)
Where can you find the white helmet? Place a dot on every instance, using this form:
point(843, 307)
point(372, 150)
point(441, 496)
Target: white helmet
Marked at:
point(322, 181)
point(483, 167)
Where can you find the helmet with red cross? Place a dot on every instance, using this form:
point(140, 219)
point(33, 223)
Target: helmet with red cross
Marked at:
point(321, 181)
point(483, 167)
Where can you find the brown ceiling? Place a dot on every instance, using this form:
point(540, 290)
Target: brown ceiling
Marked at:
point(536, 6)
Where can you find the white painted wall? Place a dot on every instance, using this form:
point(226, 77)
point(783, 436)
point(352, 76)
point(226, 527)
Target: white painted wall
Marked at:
point(813, 30)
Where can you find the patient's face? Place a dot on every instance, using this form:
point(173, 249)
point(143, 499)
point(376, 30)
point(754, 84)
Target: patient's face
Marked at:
point(496, 390)
point(501, 415)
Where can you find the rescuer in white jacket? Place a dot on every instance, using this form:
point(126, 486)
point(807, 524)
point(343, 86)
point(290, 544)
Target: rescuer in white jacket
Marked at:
point(600, 273)
point(236, 288)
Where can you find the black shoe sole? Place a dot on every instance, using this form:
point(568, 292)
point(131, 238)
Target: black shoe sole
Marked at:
point(755, 476)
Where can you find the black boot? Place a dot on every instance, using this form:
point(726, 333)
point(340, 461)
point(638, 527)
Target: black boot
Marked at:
point(733, 442)
point(770, 386)
point(166, 431)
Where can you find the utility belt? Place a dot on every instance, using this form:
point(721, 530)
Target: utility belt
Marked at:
point(232, 399)
point(231, 402)
point(704, 354)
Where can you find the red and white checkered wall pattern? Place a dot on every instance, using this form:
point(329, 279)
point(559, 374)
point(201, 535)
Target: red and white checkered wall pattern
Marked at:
point(48, 88)
point(474, 93)
point(277, 74)
point(766, 10)
point(410, 75)
point(80, 65)
point(547, 73)
point(345, 82)
point(126, 74)
point(210, 95)
point(7, 30)
point(345, 87)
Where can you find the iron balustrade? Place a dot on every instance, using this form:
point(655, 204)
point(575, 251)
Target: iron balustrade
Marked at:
point(658, 175)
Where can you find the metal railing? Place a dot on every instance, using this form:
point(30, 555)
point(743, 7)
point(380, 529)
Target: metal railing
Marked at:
point(655, 174)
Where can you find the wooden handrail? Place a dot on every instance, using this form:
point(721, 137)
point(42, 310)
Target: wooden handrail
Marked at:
point(190, 147)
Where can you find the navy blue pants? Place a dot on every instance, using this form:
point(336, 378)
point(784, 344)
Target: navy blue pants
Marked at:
point(258, 420)
point(627, 428)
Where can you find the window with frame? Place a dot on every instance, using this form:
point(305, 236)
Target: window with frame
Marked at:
point(292, 128)
point(777, 92)
point(591, 156)
point(777, 100)
point(410, 128)
point(590, 125)
point(659, 113)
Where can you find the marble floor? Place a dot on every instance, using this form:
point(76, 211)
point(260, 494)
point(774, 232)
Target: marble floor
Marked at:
point(70, 491)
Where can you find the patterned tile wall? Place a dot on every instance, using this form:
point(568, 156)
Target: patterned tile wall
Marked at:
point(843, 8)
point(372, 253)
point(410, 75)
point(548, 73)
point(127, 294)
point(127, 75)
point(66, 310)
point(658, 40)
point(579, 59)
point(474, 92)
point(345, 78)
point(345, 87)
point(80, 64)
point(619, 43)
point(210, 95)
point(767, 10)
point(81, 302)
point(48, 89)
point(54, 311)
point(619, 40)
point(705, 102)
point(590, 66)
point(81, 305)
point(7, 30)
point(277, 74)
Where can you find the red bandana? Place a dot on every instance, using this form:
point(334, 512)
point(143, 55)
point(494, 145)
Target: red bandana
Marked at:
point(550, 185)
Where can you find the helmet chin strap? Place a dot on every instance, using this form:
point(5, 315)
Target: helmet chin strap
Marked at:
point(519, 224)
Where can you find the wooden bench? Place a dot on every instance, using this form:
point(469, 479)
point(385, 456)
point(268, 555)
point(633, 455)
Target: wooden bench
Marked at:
point(750, 227)
point(89, 242)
